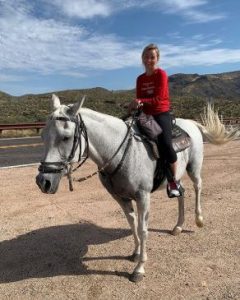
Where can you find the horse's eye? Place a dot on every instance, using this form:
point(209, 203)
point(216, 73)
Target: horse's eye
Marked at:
point(65, 139)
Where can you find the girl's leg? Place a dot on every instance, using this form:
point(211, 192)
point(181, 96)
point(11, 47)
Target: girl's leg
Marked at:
point(167, 152)
point(173, 167)
point(165, 139)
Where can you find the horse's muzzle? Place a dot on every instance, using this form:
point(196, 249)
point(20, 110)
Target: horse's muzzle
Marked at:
point(49, 182)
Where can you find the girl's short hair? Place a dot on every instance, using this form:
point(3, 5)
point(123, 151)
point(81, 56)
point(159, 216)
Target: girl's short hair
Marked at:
point(151, 47)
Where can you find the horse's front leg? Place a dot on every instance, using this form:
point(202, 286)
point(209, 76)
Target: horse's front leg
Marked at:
point(143, 207)
point(127, 207)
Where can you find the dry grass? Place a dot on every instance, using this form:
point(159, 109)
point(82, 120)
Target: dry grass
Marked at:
point(19, 133)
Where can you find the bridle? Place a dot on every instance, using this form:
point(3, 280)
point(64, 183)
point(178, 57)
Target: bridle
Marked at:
point(60, 166)
point(81, 131)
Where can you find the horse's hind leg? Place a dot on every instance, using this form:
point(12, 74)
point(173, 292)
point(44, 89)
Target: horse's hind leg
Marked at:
point(127, 207)
point(194, 174)
point(178, 228)
point(198, 209)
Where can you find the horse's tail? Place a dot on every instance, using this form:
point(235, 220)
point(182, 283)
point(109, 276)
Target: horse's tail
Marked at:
point(213, 130)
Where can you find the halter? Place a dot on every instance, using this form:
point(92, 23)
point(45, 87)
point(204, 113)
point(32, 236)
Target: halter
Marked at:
point(58, 167)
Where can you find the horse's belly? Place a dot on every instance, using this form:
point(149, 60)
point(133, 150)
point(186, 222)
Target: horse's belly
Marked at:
point(124, 187)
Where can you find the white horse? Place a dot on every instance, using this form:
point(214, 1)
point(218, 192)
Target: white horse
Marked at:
point(126, 162)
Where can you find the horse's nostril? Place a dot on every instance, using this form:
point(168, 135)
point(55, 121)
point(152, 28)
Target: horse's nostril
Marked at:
point(47, 185)
point(43, 183)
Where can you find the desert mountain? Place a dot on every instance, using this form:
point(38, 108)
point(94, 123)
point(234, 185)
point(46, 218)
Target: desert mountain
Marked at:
point(218, 86)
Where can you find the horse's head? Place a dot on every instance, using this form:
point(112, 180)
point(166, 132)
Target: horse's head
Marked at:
point(62, 138)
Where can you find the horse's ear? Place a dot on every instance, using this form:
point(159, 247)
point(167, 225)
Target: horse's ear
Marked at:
point(55, 102)
point(75, 109)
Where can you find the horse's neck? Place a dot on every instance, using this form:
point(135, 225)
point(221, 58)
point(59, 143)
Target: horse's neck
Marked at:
point(105, 134)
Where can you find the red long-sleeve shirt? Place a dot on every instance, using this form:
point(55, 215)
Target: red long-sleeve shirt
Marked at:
point(152, 91)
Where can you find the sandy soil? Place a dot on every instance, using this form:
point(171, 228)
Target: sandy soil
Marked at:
point(73, 245)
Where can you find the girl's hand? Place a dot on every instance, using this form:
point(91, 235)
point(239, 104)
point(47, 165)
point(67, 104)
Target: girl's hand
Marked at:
point(134, 105)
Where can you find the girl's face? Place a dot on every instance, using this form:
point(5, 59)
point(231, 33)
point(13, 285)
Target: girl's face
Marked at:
point(150, 60)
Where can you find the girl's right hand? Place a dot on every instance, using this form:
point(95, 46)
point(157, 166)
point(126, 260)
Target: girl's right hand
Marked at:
point(134, 105)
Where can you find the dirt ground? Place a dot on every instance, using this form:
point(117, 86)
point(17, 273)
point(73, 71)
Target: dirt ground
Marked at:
point(73, 245)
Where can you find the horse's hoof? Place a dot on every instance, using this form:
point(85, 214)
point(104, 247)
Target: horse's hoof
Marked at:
point(199, 221)
point(136, 277)
point(134, 257)
point(177, 230)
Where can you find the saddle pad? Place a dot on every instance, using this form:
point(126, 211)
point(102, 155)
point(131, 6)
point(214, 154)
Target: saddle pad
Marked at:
point(180, 139)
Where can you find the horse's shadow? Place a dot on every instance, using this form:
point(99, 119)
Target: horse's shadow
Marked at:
point(54, 251)
point(57, 250)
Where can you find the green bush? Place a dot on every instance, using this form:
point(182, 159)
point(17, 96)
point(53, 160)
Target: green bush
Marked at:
point(35, 108)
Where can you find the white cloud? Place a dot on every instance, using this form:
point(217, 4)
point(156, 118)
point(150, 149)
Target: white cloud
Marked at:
point(11, 78)
point(47, 46)
point(74, 74)
point(201, 17)
point(180, 56)
point(9, 8)
point(181, 5)
point(83, 9)
point(51, 46)
point(37, 44)
point(190, 10)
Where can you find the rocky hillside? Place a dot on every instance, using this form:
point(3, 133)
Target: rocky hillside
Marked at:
point(217, 86)
point(189, 94)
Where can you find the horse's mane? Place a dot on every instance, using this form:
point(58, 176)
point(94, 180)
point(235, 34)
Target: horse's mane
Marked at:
point(100, 117)
point(63, 111)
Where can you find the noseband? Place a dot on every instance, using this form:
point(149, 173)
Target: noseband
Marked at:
point(58, 167)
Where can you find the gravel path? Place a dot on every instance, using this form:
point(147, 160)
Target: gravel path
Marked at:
point(73, 245)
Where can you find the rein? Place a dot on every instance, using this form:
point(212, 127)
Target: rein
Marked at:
point(81, 131)
point(101, 170)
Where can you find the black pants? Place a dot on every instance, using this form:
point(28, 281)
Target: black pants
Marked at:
point(165, 138)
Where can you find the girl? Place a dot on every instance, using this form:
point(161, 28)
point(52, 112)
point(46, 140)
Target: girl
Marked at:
point(152, 93)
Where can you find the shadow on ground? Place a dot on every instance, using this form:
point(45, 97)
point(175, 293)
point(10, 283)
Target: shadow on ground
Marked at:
point(54, 251)
point(58, 250)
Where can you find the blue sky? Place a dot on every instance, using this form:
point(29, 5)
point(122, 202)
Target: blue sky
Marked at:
point(55, 45)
